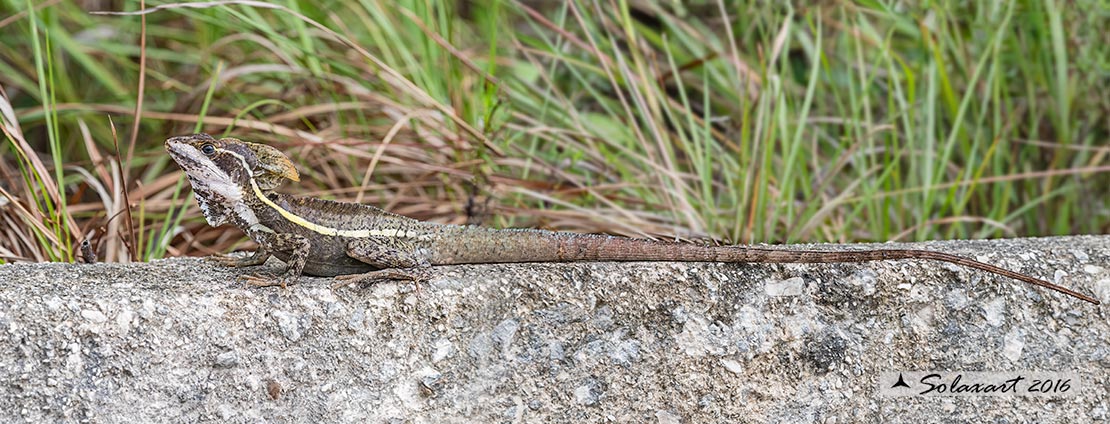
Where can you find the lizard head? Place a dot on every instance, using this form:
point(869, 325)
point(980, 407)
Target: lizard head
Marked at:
point(226, 173)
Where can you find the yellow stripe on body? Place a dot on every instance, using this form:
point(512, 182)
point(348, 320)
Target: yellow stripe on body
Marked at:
point(312, 226)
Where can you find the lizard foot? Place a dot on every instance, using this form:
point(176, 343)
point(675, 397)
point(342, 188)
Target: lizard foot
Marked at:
point(415, 275)
point(224, 260)
point(235, 261)
point(257, 280)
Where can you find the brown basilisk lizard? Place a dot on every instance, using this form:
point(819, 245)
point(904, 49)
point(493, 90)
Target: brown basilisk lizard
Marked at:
point(234, 181)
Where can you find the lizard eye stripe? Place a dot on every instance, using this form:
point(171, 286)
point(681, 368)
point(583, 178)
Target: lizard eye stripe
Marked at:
point(208, 149)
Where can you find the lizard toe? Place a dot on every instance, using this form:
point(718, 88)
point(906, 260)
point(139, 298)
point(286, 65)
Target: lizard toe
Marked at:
point(382, 275)
point(221, 259)
point(258, 280)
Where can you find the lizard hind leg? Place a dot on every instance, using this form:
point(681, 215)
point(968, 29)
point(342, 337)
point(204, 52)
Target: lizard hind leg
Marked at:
point(394, 262)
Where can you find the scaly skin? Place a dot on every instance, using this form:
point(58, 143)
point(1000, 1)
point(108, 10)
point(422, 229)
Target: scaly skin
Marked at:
point(234, 181)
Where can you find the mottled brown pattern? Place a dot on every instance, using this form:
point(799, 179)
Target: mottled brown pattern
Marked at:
point(397, 247)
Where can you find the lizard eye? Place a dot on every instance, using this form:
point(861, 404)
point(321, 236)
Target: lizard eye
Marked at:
point(208, 149)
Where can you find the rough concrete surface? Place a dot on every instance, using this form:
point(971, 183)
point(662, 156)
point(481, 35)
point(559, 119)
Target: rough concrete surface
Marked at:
point(180, 340)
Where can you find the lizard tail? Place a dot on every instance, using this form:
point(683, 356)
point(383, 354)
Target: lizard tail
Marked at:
point(509, 246)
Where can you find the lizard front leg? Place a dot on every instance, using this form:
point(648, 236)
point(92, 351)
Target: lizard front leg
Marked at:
point(298, 248)
point(395, 262)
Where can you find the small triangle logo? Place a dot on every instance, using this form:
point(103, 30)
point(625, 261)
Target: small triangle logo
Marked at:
point(901, 382)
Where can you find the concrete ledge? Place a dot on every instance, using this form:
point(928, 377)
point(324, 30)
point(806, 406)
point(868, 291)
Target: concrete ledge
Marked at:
point(179, 340)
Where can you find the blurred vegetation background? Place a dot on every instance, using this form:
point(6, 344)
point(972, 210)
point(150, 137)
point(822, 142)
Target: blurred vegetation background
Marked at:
point(738, 121)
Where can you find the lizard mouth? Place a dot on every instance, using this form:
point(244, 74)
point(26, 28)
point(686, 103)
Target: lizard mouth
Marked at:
point(177, 150)
point(184, 152)
point(180, 150)
point(185, 147)
point(200, 169)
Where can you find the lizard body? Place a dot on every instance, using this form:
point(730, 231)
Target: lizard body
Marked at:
point(234, 181)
